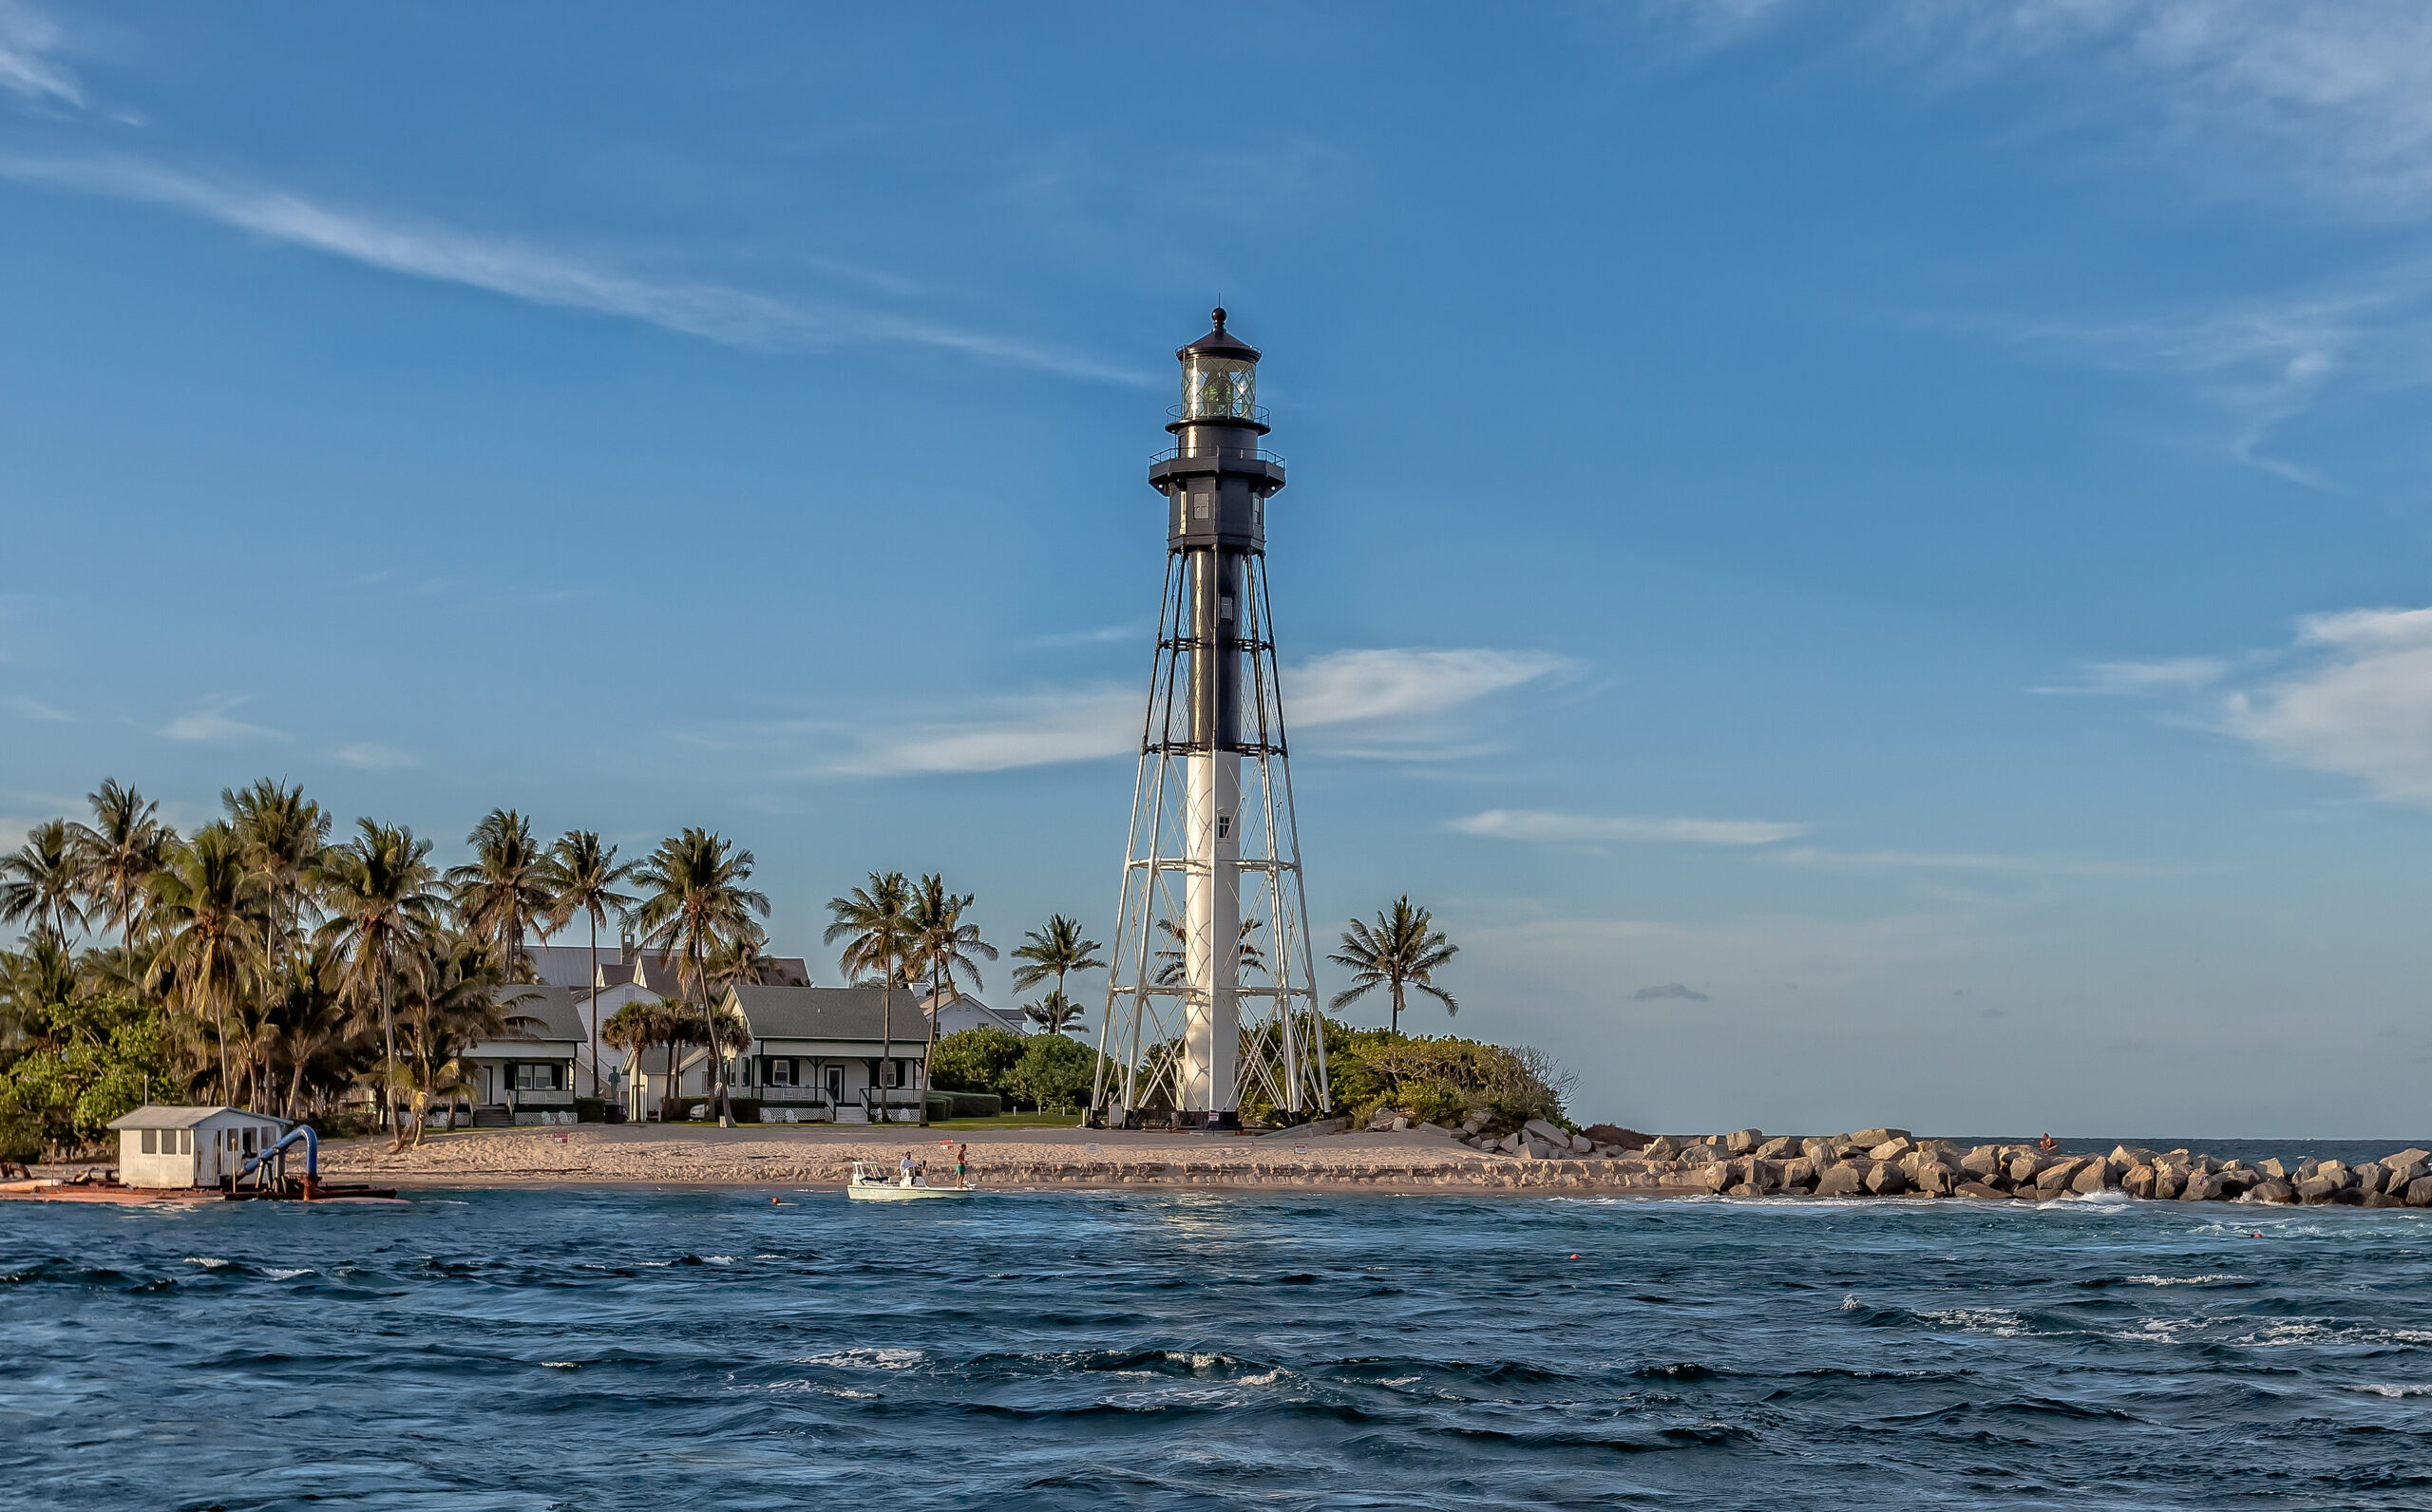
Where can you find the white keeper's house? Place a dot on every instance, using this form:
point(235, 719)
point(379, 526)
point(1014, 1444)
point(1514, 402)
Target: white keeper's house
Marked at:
point(819, 1055)
point(527, 1075)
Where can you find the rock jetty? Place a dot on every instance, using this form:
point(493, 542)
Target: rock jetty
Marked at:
point(1891, 1162)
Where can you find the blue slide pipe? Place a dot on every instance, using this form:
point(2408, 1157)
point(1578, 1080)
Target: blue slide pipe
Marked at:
point(312, 1152)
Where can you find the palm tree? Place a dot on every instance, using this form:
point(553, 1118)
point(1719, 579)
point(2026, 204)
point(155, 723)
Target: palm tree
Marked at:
point(1053, 951)
point(742, 961)
point(1171, 954)
point(214, 913)
point(1402, 949)
point(878, 937)
point(694, 902)
point(43, 880)
point(636, 1027)
point(116, 856)
point(583, 875)
point(1054, 1013)
point(283, 834)
point(309, 1015)
point(941, 945)
point(504, 893)
point(455, 1006)
point(383, 896)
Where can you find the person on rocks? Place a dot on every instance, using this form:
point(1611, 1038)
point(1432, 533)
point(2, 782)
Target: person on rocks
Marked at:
point(2047, 1141)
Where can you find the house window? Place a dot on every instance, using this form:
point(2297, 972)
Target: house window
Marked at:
point(536, 1076)
point(151, 1142)
point(185, 1141)
point(781, 1073)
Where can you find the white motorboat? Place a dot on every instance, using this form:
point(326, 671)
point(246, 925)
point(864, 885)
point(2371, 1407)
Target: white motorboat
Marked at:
point(873, 1182)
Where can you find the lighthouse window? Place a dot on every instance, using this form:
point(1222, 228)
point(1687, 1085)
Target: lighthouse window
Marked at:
point(1199, 507)
point(1219, 388)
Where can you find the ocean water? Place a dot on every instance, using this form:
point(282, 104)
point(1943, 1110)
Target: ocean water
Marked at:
point(604, 1347)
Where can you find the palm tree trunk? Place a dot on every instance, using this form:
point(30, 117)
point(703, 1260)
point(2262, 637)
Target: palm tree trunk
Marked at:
point(389, 1070)
point(594, 1014)
point(886, 1037)
point(936, 994)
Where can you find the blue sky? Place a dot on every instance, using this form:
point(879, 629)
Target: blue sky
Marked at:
point(1870, 563)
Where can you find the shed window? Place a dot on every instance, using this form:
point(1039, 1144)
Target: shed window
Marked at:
point(185, 1141)
point(151, 1142)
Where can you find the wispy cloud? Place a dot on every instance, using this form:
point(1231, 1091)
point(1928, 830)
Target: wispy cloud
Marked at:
point(2325, 97)
point(1535, 824)
point(1394, 703)
point(1669, 989)
point(29, 40)
point(215, 726)
point(2357, 702)
point(1977, 862)
point(536, 274)
point(2119, 679)
point(35, 708)
point(372, 756)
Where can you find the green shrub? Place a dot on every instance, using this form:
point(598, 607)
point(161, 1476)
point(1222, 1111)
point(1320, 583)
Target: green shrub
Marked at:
point(975, 1060)
point(1053, 1071)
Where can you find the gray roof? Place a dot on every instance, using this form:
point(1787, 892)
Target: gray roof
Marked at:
point(828, 1013)
point(155, 1115)
point(553, 1005)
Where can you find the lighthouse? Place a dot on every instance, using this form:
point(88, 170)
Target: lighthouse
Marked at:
point(1212, 1001)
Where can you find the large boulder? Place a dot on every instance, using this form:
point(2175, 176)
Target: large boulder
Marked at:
point(2202, 1186)
point(2419, 1192)
point(2273, 1169)
point(1978, 1189)
point(1798, 1174)
point(2138, 1181)
point(2053, 1179)
point(1743, 1142)
point(1983, 1160)
point(1891, 1149)
point(1872, 1137)
point(1781, 1148)
point(2367, 1178)
point(1886, 1181)
point(1714, 1175)
point(1935, 1178)
point(2274, 1192)
point(1560, 1138)
point(1627, 1139)
point(2024, 1167)
point(2093, 1176)
point(2125, 1156)
point(2320, 1189)
point(2166, 1183)
point(2409, 1157)
point(1846, 1180)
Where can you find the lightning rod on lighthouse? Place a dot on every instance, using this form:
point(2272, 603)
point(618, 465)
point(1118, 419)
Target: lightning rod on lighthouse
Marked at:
point(1211, 999)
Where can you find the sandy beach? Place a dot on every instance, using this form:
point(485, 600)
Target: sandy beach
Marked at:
point(1410, 1162)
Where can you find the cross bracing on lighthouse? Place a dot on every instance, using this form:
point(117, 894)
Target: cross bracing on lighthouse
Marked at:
point(1211, 1000)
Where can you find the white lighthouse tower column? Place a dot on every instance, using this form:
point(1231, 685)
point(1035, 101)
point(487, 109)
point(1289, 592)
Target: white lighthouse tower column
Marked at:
point(1206, 1009)
point(1212, 954)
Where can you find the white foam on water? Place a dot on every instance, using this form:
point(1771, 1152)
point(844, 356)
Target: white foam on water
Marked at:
point(2395, 1390)
point(281, 1274)
point(2183, 1280)
point(717, 1259)
point(867, 1359)
point(1998, 1322)
point(210, 1262)
point(562, 1364)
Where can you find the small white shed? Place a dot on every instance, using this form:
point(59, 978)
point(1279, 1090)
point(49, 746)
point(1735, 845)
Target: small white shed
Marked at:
point(189, 1147)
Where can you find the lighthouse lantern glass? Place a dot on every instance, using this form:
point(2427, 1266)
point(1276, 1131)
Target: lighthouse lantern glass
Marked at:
point(1219, 388)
